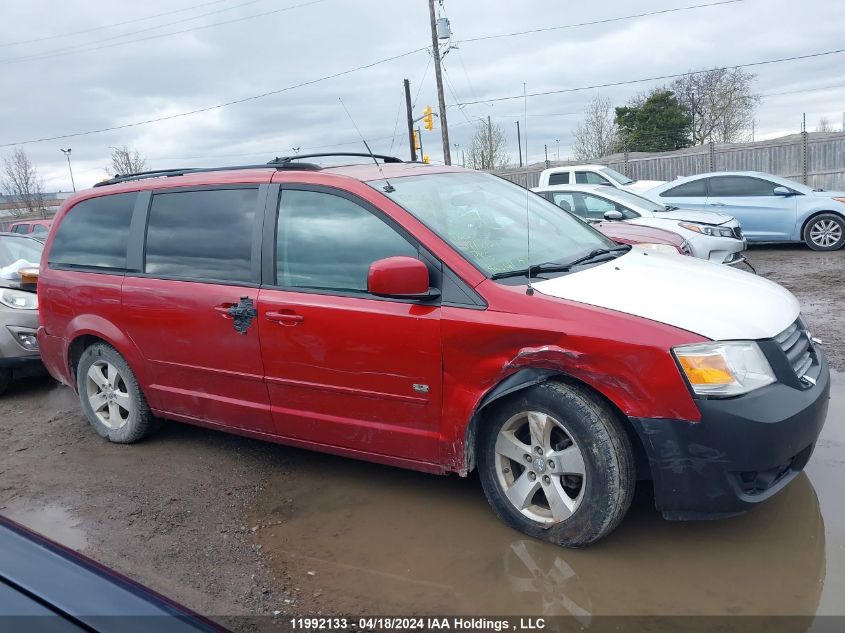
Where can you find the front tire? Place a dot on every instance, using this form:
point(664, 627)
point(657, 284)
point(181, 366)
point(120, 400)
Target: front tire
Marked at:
point(111, 396)
point(5, 379)
point(556, 464)
point(825, 232)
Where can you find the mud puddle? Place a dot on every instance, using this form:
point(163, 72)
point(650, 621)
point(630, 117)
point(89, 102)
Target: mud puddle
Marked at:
point(361, 538)
point(51, 520)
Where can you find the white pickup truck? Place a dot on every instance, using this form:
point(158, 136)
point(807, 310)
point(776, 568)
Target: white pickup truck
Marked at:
point(593, 175)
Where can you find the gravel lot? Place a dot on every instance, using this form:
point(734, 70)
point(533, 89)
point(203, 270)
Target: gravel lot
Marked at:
point(236, 527)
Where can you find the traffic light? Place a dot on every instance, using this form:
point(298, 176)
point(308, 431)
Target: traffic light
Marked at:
point(428, 118)
point(426, 159)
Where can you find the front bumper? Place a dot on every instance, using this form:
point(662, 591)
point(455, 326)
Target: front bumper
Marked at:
point(17, 326)
point(743, 451)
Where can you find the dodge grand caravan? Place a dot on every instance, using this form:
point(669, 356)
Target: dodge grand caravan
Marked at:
point(396, 312)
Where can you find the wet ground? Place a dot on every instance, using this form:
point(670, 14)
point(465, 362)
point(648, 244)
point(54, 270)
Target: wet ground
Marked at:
point(230, 526)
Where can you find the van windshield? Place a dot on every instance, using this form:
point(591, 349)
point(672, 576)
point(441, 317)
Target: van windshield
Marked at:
point(484, 218)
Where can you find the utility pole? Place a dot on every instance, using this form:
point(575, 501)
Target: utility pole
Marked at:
point(546, 149)
point(408, 107)
point(441, 100)
point(557, 140)
point(66, 152)
point(519, 144)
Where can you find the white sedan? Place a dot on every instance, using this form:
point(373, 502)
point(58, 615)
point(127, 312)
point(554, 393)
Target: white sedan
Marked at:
point(712, 236)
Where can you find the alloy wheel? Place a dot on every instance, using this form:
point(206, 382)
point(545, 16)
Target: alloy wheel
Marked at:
point(107, 394)
point(825, 233)
point(540, 467)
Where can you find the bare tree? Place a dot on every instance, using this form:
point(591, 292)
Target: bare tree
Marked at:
point(125, 160)
point(487, 149)
point(597, 135)
point(824, 125)
point(22, 184)
point(721, 103)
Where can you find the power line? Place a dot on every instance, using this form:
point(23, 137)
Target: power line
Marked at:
point(109, 26)
point(220, 105)
point(85, 48)
point(657, 78)
point(603, 21)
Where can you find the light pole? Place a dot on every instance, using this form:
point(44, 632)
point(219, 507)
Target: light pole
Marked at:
point(557, 140)
point(66, 152)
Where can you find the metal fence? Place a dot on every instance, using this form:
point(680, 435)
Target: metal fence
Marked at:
point(814, 158)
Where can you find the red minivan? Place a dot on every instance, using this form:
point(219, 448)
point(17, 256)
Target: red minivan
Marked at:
point(399, 312)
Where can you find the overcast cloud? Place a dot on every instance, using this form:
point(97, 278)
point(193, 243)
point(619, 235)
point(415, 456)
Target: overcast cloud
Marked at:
point(57, 86)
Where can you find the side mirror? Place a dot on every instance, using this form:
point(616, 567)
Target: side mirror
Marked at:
point(781, 191)
point(400, 278)
point(613, 215)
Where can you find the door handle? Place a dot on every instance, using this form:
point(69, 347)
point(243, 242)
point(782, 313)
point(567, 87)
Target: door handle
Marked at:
point(286, 317)
point(717, 204)
point(223, 310)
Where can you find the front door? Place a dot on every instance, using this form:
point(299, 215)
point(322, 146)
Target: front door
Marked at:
point(189, 311)
point(762, 215)
point(345, 368)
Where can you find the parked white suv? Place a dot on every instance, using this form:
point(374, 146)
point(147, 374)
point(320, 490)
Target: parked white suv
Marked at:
point(711, 236)
point(593, 175)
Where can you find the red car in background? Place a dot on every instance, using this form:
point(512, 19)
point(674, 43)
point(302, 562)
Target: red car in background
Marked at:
point(625, 233)
point(33, 228)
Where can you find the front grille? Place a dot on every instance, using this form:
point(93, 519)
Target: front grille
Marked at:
point(738, 232)
point(795, 343)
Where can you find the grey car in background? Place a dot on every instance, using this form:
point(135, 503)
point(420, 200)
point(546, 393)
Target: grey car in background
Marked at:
point(18, 309)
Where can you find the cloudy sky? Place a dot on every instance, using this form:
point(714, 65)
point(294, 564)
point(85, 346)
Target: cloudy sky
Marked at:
point(81, 65)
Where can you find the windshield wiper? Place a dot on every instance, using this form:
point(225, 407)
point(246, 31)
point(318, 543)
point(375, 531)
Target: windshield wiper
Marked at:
point(557, 267)
point(624, 248)
point(548, 267)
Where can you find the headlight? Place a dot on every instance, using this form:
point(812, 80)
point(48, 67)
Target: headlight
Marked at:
point(706, 229)
point(728, 368)
point(660, 248)
point(19, 299)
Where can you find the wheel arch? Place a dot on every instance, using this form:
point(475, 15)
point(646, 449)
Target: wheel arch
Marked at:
point(88, 330)
point(528, 377)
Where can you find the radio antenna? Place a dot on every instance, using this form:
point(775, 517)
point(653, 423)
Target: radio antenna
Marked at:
point(530, 290)
point(388, 188)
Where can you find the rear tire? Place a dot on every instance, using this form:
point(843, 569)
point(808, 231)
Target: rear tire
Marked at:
point(825, 232)
point(111, 396)
point(556, 464)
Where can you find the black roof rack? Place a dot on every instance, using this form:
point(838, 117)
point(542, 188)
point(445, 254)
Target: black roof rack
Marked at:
point(283, 162)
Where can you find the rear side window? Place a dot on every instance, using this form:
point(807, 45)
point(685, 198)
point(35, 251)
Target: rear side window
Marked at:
point(94, 233)
point(692, 189)
point(20, 228)
point(733, 186)
point(205, 235)
point(559, 179)
point(327, 242)
point(40, 229)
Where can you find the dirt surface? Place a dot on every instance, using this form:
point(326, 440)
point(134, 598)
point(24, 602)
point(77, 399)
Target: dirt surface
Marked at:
point(231, 526)
point(818, 280)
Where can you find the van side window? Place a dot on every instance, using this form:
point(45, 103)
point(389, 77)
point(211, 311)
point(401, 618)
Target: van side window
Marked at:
point(327, 242)
point(94, 233)
point(204, 235)
point(559, 179)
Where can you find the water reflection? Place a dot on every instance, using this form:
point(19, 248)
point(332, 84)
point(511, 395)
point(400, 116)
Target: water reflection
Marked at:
point(386, 541)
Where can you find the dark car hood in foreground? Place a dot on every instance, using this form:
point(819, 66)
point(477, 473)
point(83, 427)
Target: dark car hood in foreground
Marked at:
point(45, 586)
